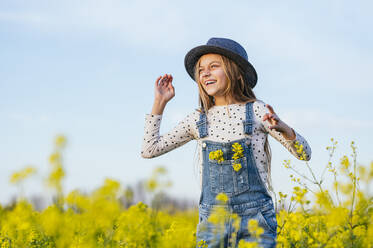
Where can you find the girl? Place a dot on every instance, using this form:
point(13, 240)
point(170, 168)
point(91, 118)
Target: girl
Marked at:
point(231, 128)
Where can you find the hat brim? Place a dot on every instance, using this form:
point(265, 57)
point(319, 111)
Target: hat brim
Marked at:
point(193, 55)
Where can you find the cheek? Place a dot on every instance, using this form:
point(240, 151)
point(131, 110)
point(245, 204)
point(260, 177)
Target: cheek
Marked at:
point(222, 78)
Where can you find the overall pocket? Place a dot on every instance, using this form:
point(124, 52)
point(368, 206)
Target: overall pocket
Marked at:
point(269, 219)
point(225, 179)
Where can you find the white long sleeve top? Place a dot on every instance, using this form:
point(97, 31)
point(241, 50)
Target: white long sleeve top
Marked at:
point(224, 125)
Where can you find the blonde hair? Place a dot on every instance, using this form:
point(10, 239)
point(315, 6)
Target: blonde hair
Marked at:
point(238, 90)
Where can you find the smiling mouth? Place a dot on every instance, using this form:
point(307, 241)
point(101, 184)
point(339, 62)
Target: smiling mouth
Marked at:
point(209, 82)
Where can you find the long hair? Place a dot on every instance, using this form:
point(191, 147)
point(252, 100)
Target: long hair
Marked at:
point(238, 90)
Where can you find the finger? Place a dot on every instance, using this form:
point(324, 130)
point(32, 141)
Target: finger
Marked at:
point(273, 116)
point(161, 80)
point(270, 108)
point(265, 117)
point(164, 79)
point(157, 81)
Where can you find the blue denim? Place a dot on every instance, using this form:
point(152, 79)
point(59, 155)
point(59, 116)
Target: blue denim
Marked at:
point(247, 195)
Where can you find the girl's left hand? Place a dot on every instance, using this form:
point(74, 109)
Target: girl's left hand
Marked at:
point(278, 124)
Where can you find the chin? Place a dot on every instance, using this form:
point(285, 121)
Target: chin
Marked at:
point(211, 93)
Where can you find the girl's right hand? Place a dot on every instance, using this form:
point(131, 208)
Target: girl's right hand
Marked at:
point(164, 91)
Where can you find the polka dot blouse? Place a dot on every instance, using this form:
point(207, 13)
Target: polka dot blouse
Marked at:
point(224, 125)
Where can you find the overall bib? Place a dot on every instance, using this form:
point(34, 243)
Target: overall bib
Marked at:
point(247, 195)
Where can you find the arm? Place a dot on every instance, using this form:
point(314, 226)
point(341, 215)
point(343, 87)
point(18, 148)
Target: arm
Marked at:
point(153, 144)
point(280, 131)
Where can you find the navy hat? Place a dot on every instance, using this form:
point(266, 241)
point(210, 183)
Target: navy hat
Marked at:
point(227, 47)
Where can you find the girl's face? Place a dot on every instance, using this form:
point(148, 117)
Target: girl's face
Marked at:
point(212, 75)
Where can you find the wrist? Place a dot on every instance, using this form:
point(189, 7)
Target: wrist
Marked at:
point(160, 102)
point(158, 107)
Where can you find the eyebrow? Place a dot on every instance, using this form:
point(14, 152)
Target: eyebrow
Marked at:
point(215, 61)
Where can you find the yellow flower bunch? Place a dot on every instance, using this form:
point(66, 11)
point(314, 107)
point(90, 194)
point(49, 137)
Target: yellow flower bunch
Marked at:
point(217, 155)
point(238, 153)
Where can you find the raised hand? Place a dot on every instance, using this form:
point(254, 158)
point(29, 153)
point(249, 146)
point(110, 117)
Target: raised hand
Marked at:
point(164, 90)
point(278, 124)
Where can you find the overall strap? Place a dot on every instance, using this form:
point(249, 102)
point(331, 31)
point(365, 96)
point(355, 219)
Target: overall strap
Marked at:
point(202, 125)
point(249, 122)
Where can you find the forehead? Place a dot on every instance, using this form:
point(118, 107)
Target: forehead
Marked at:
point(208, 58)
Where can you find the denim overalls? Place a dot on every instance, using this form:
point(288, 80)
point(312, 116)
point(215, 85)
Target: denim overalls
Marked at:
point(247, 195)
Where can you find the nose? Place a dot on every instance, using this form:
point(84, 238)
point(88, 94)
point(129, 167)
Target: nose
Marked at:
point(205, 73)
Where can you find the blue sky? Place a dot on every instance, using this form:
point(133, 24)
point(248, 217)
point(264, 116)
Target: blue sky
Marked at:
point(86, 69)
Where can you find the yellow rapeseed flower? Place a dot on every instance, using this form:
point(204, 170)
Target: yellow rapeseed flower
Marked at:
point(254, 228)
point(222, 197)
point(219, 215)
point(345, 162)
point(216, 155)
point(60, 141)
point(151, 184)
point(245, 244)
point(237, 166)
point(286, 163)
point(21, 175)
point(202, 244)
point(55, 158)
point(238, 151)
